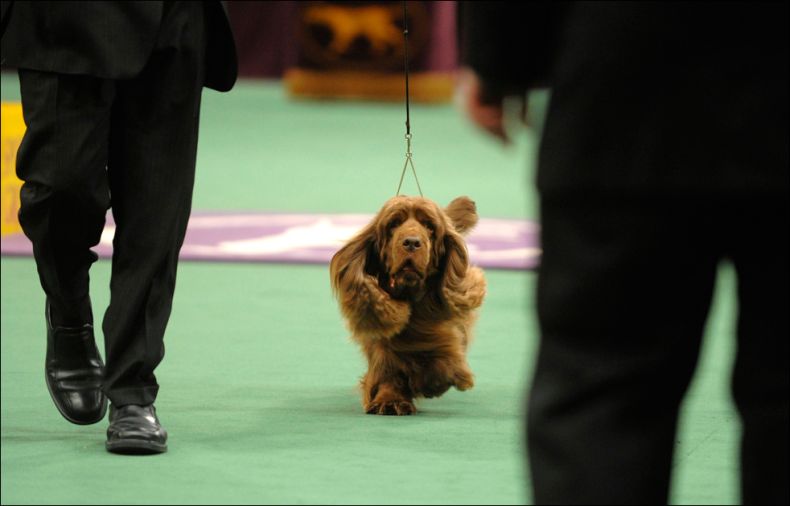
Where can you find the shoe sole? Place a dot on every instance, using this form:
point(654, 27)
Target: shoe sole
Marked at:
point(135, 447)
point(104, 405)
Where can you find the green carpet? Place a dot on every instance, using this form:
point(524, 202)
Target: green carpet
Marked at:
point(258, 382)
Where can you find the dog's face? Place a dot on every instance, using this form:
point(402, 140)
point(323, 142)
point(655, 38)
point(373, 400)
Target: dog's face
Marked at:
point(411, 248)
point(410, 233)
point(409, 264)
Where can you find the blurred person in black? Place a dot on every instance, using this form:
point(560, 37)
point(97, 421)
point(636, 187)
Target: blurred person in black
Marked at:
point(111, 99)
point(664, 152)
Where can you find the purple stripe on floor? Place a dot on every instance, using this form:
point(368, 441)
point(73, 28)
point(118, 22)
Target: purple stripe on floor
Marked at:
point(313, 238)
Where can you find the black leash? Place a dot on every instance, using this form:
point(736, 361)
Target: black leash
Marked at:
point(406, 65)
point(408, 122)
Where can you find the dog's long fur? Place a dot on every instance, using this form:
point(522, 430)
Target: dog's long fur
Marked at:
point(408, 294)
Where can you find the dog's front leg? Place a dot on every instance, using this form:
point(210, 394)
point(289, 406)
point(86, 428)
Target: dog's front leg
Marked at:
point(388, 400)
point(385, 388)
point(371, 312)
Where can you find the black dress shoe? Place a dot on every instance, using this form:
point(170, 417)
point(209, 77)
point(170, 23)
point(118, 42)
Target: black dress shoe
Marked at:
point(74, 371)
point(135, 430)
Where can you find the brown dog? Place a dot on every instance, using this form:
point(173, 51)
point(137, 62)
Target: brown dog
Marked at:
point(408, 294)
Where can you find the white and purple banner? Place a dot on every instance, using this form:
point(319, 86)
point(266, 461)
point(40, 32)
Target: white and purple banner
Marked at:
point(313, 239)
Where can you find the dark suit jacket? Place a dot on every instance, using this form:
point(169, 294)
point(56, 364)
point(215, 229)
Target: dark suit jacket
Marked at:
point(105, 39)
point(680, 97)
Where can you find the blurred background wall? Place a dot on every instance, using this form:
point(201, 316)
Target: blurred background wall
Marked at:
point(348, 49)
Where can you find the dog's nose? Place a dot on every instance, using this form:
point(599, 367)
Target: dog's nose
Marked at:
point(412, 243)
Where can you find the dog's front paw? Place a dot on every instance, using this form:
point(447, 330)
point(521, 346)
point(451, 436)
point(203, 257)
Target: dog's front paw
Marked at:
point(464, 380)
point(399, 407)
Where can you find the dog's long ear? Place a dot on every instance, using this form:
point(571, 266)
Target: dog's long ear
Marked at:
point(369, 311)
point(353, 261)
point(462, 287)
point(462, 212)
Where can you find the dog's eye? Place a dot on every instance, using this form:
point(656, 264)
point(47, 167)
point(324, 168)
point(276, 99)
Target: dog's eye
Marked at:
point(429, 225)
point(392, 225)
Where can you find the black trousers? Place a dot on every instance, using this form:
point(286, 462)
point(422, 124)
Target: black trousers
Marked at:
point(624, 290)
point(131, 145)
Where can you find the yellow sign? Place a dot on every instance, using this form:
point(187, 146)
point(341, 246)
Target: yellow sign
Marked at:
point(13, 128)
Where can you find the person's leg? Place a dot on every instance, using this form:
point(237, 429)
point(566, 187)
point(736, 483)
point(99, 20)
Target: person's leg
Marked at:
point(153, 147)
point(62, 161)
point(761, 381)
point(623, 293)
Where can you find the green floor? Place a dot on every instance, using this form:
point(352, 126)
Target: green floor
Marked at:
point(258, 383)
